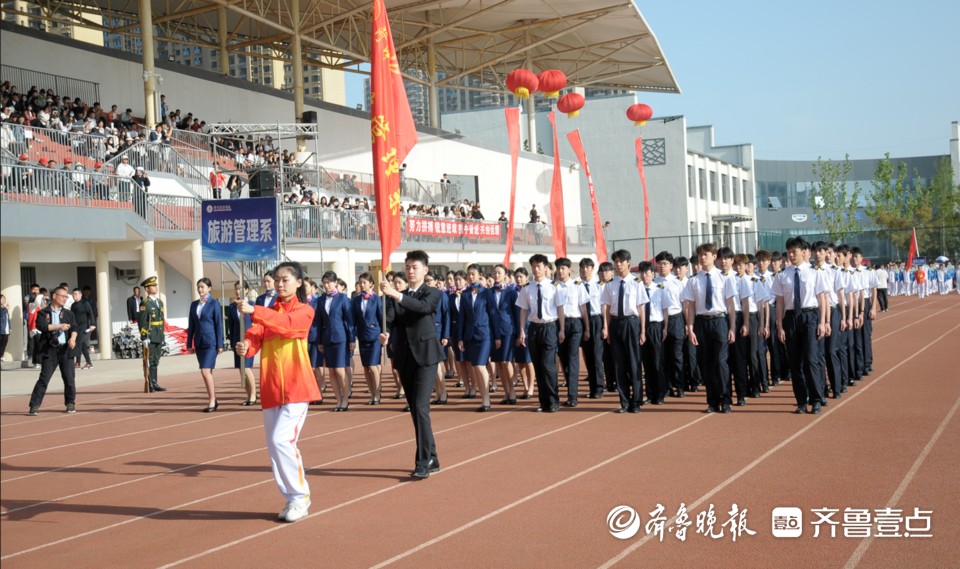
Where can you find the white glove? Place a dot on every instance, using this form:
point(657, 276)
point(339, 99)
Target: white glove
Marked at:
point(146, 343)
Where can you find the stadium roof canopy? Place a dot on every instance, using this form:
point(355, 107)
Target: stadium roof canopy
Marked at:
point(601, 44)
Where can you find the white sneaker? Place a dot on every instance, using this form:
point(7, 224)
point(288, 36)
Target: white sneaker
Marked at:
point(282, 516)
point(297, 511)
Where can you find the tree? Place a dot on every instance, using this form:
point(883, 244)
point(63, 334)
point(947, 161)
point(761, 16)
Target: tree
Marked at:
point(833, 205)
point(893, 204)
point(937, 205)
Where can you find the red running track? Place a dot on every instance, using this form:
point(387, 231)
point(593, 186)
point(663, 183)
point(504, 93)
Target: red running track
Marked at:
point(136, 480)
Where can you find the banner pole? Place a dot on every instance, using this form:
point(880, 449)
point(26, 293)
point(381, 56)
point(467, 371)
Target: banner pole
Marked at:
point(243, 331)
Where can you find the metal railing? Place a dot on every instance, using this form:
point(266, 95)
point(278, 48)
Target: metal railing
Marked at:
point(54, 144)
point(88, 91)
point(162, 157)
point(33, 185)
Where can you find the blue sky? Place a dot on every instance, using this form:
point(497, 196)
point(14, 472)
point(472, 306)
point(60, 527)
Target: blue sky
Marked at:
point(817, 78)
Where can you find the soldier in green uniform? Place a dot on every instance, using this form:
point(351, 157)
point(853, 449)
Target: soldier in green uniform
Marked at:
point(151, 322)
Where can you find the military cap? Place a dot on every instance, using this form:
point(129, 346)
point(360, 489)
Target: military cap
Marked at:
point(149, 281)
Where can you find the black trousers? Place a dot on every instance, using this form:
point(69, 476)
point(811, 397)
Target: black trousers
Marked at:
point(867, 336)
point(652, 353)
point(51, 359)
point(882, 298)
point(691, 364)
point(542, 344)
point(83, 346)
point(609, 367)
point(593, 356)
point(859, 356)
point(417, 382)
point(4, 338)
point(625, 344)
point(764, 370)
point(569, 352)
point(739, 359)
point(831, 353)
point(757, 370)
point(853, 372)
point(712, 354)
point(804, 355)
point(673, 353)
point(843, 352)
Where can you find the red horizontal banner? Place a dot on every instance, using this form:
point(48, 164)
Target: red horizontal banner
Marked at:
point(444, 228)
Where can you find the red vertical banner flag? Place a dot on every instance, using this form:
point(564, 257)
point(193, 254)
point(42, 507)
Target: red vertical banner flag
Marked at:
point(392, 130)
point(556, 197)
point(577, 144)
point(913, 249)
point(646, 202)
point(513, 134)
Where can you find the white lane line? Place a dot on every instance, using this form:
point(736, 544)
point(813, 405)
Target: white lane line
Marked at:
point(862, 548)
point(833, 409)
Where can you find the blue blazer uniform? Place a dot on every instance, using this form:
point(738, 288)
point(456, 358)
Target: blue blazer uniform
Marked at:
point(368, 326)
point(454, 318)
point(441, 319)
point(504, 331)
point(477, 323)
point(336, 328)
point(521, 354)
point(205, 332)
point(262, 299)
point(233, 331)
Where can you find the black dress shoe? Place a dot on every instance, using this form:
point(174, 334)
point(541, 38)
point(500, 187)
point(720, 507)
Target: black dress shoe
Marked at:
point(571, 403)
point(458, 384)
point(158, 388)
point(438, 401)
point(851, 383)
point(765, 389)
point(633, 409)
point(483, 408)
point(216, 405)
point(709, 410)
point(345, 407)
point(420, 473)
point(512, 401)
point(823, 402)
point(399, 395)
point(725, 409)
point(406, 408)
point(838, 395)
point(801, 409)
point(254, 402)
point(525, 396)
point(741, 402)
point(816, 409)
point(621, 410)
point(505, 401)
point(373, 402)
point(553, 409)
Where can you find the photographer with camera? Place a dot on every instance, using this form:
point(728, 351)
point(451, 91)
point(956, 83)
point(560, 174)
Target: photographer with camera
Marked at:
point(58, 340)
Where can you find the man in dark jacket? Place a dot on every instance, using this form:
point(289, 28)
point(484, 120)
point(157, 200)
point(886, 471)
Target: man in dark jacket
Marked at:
point(57, 339)
point(83, 314)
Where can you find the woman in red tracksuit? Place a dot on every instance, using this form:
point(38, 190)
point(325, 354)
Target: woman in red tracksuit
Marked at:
point(287, 384)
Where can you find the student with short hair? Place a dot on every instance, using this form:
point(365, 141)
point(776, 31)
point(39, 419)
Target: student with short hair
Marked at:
point(538, 305)
point(623, 302)
point(337, 335)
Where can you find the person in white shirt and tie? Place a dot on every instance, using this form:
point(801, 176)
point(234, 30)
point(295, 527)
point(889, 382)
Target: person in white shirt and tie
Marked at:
point(709, 301)
point(657, 319)
point(802, 306)
point(573, 297)
point(672, 363)
point(623, 299)
point(592, 343)
point(538, 305)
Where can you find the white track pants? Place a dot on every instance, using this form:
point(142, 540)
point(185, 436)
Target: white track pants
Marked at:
point(282, 426)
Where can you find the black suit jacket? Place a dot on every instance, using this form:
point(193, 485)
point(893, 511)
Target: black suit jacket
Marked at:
point(47, 338)
point(133, 307)
point(414, 335)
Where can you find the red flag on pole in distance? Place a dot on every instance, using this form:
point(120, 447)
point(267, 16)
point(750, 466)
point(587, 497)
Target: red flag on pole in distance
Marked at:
point(913, 249)
point(392, 130)
point(513, 134)
point(559, 230)
point(646, 203)
point(577, 144)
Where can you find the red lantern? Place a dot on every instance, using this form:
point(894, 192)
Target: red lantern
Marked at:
point(639, 113)
point(571, 103)
point(551, 81)
point(522, 82)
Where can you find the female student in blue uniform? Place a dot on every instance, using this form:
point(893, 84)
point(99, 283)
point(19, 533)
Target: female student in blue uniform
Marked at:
point(477, 325)
point(521, 355)
point(459, 288)
point(233, 333)
point(313, 338)
point(205, 336)
point(336, 336)
point(441, 321)
point(367, 315)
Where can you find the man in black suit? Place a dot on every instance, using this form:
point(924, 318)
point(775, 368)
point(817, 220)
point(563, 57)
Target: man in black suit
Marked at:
point(133, 305)
point(416, 351)
point(83, 314)
point(57, 339)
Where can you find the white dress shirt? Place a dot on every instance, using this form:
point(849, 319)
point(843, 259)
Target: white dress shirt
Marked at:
point(571, 296)
point(527, 299)
point(634, 296)
point(673, 288)
point(696, 291)
point(812, 283)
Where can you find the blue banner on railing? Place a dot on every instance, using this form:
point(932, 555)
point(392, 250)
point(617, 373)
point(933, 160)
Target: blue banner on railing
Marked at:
point(240, 230)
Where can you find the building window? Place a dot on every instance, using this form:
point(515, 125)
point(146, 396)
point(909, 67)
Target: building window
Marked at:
point(654, 152)
point(725, 187)
point(266, 81)
point(703, 184)
point(693, 229)
point(713, 186)
point(736, 194)
point(691, 183)
point(704, 236)
point(198, 61)
point(746, 194)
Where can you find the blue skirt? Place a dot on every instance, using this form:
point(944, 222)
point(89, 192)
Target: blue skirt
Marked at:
point(521, 355)
point(371, 353)
point(236, 361)
point(207, 357)
point(457, 354)
point(505, 352)
point(335, 355)
point(477, 353)
point(316, 358)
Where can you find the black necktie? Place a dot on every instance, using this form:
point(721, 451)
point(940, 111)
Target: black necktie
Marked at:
point(646, 307)
point(539, 303)
point(709, 299)
point(797, 303)
point(589, 303)
point(620, 297)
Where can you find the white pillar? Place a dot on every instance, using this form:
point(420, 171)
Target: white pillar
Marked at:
point(148, 263)
point(223, 32)
point(196, 265)
point(149, 83)
point(13, 291)
point(103, 305)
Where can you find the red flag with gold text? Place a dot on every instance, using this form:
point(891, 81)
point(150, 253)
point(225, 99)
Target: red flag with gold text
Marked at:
point(556, 197)
point(575, 141)
point(392, 130)
point(513, 135)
